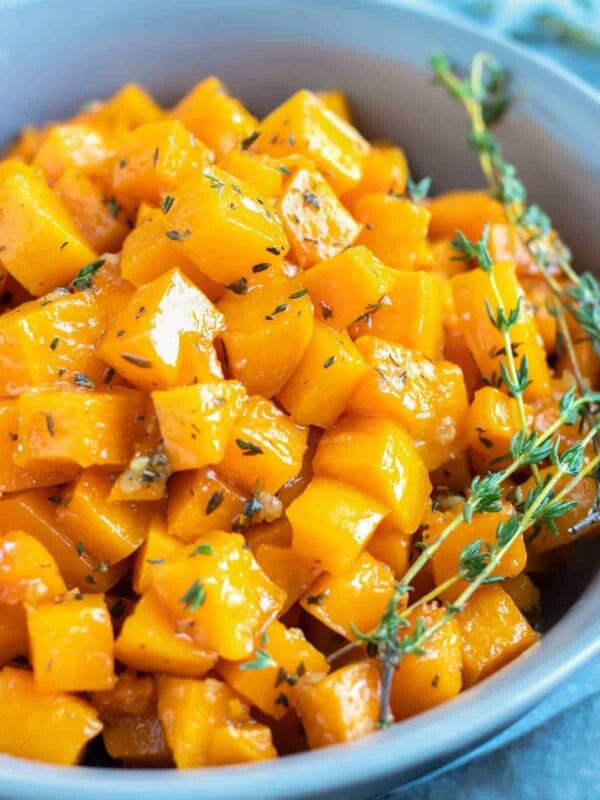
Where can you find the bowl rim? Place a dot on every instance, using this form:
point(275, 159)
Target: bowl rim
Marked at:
point(410, 746)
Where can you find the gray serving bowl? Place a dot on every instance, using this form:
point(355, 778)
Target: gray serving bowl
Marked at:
point(55, 54)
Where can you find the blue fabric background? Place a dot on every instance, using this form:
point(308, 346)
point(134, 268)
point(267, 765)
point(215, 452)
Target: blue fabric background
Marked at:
point(553, 753)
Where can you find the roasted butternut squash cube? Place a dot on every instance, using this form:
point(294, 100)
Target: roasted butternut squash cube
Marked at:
point(265, 446)
point(108, 531)
point(355, 600)
point(289, 656)
point(79, 146)
point(196, 421)
point(265, 174)
point(423, 681)
point(315, 222)
point(72, 645)
point(142, 343)
point(336, 101)
point(429, 398)
point(42, 247)
point(394, 228)
point(225, 227)
point(268, 329)
point(324, 380)
point(332, 523)
point(201, 501)
point(492, 421)
point(198, 361)
point(138, 740)
point(216, 117)
point(240, 743)
point(28, 573)
point(77, 427)
point(43, 726)
point(157, 547)
point(341, 707)
point(155, 158)
point(525, 595)
point(385, 171)
point(303, 124)
point(466, 211)
point(129, 108)
point(379, 457)
point(35, 512)
point(281, 564)
point(391, 546)
point(493, 632)
point(111, 290)
point(412, 314)
point(472, 290)
point(14, 639)
point(50, 341)
point(345, 287)
point(151, 642)
point(483, 527)
point(218, 594)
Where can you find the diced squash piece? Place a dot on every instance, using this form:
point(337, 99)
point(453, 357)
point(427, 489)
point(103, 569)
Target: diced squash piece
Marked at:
point(142, 342)
point(196, 421)
point(72, 645)
point(225, 227)
point(423, 681)
point(412, 315)
point(73, 145)
point(265, 446)
point(108, 531)
point(493, 632)
point(26, 144)
point(541, 301)
point(34, 512)
point(504, 244)
point(303, 124)
point(352, 600)
point(12, 477)
point(290, 656)
point(129, 108)
point(335, 100)
point(281, 564)
point(392, 547)
point(218, 593)
point(379, 457)
point(332, 523)
point(201, 501)
point(343, 706)
point(315, 222)
point(261, 172)
point(131, 694)
point(394, 228)
point(241, 742)
point(14, 639)
point(111, 290)
point(492, 421)
point(138, 740)
point(198, 360)
point(40, 725)
point(149, 641)
point(471, 292)
point(210, 112)
point(99, 219)
point(345, 287)
point(483, 527)
point(385, 171)
point(42, 247)
point(77, 427)
point(428, 397)
point(28, 573)
point(157, 547)
point(525, 595)
point(50, 341)
point(466, 211)
point(268, 329)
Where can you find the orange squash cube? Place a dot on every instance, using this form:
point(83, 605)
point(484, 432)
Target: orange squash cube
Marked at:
point(149, 641)
point(332, 523)
point(290, 656)
point(263, 173)
point(14, 639)
point(281, 564)
point(303, 124)
point(342, 707)
point(108, 531)
point(466, 211)
point(225, 227)
point(40, 725)
point(492, 421)
point(423, 681)
point(392, 547)
point(72, 645)
point(28, 573)
point(157, 547)
point(50, 341)
point(525, 595)
point(315, 222)
point(353, 600)
point(201, 501)
point(42, 247)
point(268, 329)
point(241, 742)
point(73, 145)
point(265, 446)
point(385, 171)
point(220, 120)
point(77, 427)
point(129, 108)
point(218, 594)
point(138, 740)
point(379, 457)
point(142, 342)
point(196, 421)
point(336, 101)
point(394, 228)
point(493, 632)
point(111, 290)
